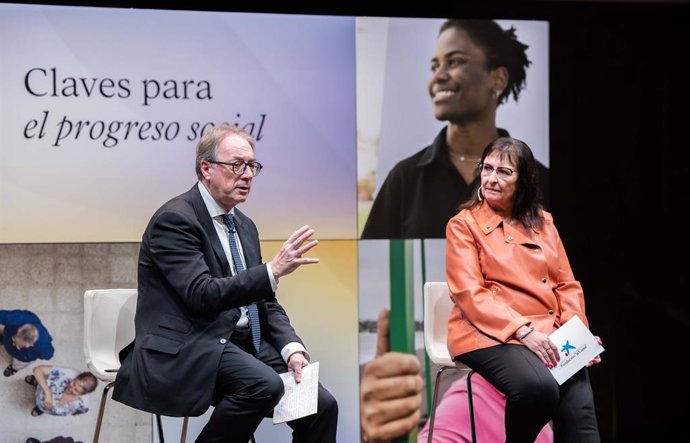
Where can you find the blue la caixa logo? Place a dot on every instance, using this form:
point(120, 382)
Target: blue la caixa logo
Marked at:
point(567, 347)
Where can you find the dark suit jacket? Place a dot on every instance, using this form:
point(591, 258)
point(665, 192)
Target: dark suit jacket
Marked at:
point(188, 305)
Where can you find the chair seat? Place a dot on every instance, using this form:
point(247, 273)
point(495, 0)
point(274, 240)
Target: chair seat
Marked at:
point(104, 369)
point(108, 327)
point(437, 309)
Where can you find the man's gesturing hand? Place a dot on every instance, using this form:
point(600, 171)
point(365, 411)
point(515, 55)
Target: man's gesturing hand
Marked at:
point(290, 257)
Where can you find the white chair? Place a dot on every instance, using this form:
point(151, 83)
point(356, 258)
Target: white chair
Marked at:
point(109, 327)
point(437, 308)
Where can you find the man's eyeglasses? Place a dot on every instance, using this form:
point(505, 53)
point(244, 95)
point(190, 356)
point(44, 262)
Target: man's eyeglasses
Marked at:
point(502, 173)
point(238, 167)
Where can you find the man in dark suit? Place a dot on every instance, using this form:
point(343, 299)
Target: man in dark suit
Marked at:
point(194, 320)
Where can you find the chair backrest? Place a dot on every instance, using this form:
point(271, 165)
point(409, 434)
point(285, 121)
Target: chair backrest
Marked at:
point(437, 308)
point(108, 327)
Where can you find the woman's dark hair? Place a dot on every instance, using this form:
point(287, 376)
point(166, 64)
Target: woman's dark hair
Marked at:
point(502, 48)
point(527, 205)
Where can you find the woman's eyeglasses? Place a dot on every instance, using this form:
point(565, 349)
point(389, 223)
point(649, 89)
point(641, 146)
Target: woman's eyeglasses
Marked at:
point(502, 173)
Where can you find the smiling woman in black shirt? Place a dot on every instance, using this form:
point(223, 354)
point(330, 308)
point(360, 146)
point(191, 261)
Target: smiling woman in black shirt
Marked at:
point(477, 65)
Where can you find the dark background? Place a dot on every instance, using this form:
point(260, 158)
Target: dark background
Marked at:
point(619, 158)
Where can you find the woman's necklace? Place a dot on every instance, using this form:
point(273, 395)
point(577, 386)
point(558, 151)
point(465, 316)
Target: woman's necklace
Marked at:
point(463, 158)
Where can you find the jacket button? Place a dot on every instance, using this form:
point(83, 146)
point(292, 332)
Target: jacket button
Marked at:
point(223, 341)
point(550, 311)
point(543, 280)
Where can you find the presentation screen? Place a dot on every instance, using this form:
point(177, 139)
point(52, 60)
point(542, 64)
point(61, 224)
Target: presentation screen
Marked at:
point(101, 110)
point(396, 121)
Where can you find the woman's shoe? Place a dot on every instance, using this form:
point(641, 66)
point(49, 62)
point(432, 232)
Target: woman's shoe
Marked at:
point(35, 412)
point(30, 379)
point(32, 440)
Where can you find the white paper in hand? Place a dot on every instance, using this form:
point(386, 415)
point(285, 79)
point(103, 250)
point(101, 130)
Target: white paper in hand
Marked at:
point(576, 345)
point(300, 399)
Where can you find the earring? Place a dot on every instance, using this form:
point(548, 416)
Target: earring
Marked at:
point(497, 93)
point(479, 193)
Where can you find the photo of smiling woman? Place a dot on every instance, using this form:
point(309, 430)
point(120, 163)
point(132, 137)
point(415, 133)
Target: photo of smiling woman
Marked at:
point(476, 67)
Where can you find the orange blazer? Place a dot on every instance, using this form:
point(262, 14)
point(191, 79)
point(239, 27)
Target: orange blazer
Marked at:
point(502, 277)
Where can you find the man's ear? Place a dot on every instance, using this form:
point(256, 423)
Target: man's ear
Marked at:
point(204, 169)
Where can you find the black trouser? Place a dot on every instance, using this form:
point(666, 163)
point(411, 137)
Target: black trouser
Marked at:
point(534, 397)
point(248, 388)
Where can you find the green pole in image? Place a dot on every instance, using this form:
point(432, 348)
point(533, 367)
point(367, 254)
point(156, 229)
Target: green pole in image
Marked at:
point(427, 362)
point(402, 324)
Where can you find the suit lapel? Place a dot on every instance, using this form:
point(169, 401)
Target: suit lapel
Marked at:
point(207, 224)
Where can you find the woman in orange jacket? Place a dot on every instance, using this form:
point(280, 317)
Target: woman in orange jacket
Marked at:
point(512, 285)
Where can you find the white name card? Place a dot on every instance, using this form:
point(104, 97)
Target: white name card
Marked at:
point(576, 346)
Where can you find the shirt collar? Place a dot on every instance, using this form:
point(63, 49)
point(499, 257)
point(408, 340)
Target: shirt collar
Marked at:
point(212, 206)
point(486, 218)
point(437, 150)
point(489, 221)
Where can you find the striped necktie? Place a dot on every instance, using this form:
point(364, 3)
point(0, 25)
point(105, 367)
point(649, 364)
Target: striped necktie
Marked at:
point(252, 309)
